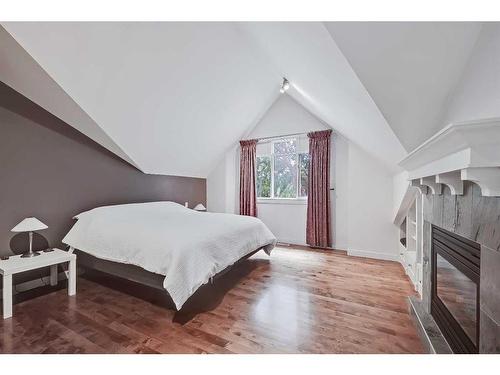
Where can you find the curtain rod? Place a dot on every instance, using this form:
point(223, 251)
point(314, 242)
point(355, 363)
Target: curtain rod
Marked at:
point(280, 136)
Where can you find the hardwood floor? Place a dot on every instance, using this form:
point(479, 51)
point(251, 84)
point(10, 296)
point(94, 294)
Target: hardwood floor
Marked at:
point(296, 301)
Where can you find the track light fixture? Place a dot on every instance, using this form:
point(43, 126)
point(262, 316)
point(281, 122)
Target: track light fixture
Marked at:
point(285, 85)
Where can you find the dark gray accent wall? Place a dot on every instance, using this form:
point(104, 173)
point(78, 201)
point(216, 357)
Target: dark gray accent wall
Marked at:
point(51, 171)
point(477, 218)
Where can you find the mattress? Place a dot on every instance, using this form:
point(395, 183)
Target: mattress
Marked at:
point(187, 247)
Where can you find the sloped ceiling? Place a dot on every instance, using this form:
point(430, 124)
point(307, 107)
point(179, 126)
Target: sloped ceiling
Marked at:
point(324, 83)
point(171, 98)
point(172, 95)
point(410, 69)
point(20, 71)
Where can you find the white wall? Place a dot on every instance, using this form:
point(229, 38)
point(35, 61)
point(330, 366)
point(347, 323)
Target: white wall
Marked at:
point(400, 185)
point(362, 202)
point(222, 184)
point(286, 116)
point(287, 220)
point(370, 192)
point(216, 188)
point(477, 95)
point(339, 175)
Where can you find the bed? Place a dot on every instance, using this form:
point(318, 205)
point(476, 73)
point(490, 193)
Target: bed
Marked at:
point(173, 244)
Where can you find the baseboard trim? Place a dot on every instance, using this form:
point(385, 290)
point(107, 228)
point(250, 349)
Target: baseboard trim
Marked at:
point(285, 241)
point(373, 255)
point(308, 247)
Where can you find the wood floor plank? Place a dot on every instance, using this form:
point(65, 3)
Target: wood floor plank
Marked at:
point(295, 301)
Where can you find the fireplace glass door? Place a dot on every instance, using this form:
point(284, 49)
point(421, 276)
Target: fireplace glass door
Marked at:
point(455, 289)
point(459, 294)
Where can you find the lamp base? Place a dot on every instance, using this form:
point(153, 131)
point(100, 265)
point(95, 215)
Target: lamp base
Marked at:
point(30, 255)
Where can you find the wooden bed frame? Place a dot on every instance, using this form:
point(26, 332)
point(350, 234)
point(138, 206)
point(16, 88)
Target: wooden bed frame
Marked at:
point(135, 273)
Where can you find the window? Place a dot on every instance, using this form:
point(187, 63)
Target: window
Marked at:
point(304, 174)
point(264, 176)
point(282, 170)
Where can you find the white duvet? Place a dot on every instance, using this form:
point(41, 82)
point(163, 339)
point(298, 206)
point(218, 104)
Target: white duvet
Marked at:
point(186, 246)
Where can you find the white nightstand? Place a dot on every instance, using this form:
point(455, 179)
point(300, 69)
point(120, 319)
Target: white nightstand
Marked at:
point(16, 264)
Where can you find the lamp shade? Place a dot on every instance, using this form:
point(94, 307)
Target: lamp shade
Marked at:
point(200, 207)
point(29, 224)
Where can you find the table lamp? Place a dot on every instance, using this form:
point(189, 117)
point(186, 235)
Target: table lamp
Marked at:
point(30, 224)
point(200, 207)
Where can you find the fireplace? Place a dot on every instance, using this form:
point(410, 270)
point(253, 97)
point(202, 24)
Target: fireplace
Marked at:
point(455, 289)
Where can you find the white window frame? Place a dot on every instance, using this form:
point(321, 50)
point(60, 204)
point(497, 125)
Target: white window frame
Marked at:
point(273, 199)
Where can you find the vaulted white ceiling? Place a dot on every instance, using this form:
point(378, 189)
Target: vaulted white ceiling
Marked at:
point(325, 84)
point(410, 69)
point(171, 98)
point(20, 71)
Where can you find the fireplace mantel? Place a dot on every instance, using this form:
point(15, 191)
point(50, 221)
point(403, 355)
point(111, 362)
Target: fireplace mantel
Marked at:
point(461, 151)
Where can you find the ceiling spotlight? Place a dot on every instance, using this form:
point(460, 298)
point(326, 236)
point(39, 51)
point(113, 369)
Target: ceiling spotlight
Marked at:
point(285, 85)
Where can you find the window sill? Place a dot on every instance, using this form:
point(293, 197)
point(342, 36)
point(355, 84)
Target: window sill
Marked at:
point(291, 201)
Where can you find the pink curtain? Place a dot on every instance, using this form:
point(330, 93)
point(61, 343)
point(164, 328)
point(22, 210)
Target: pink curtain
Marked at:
point(248, 197)
point(318, 200)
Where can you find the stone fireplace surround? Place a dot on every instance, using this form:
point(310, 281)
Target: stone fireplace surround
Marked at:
point(457, 175)
point(477, 218)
